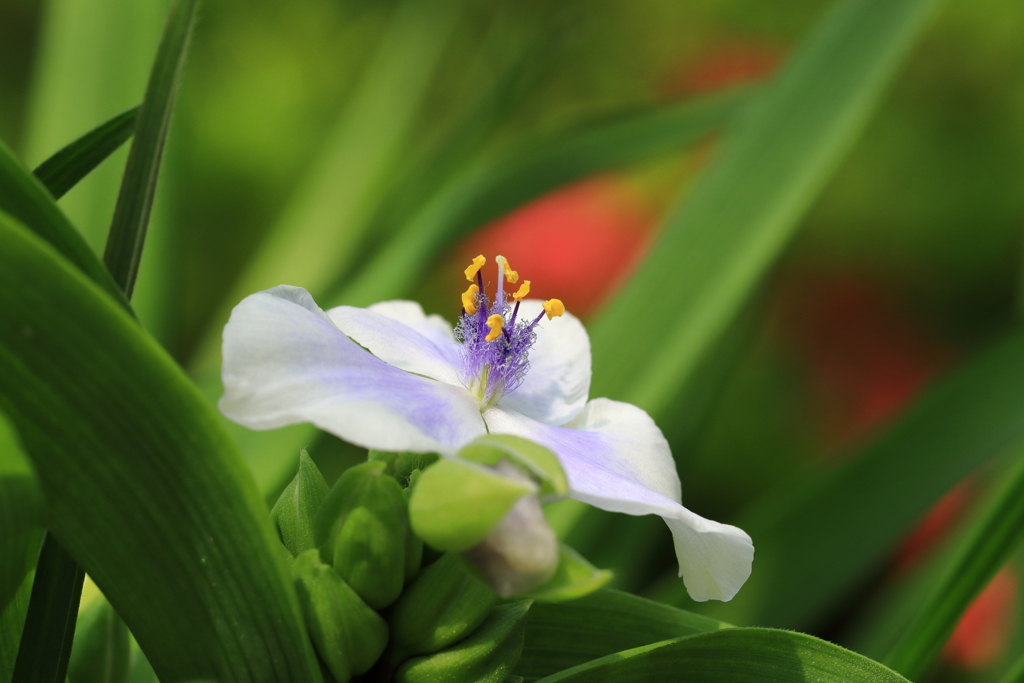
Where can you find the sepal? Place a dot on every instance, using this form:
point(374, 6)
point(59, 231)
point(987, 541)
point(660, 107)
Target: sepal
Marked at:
point(487, 656)
point(295, 510)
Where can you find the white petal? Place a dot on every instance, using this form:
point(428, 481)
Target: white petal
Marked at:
point(286, 362)
point(400, 334)
point(558, 381)
point(617, 459)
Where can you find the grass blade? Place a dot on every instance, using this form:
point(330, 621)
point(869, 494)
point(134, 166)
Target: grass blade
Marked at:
point(987, 546)
point(63, 170)
point(131, 215)
point(498, 182)
point(821, 540)
point(126, 448)
point(735, 655)
point(716, 246)
point(27, 200)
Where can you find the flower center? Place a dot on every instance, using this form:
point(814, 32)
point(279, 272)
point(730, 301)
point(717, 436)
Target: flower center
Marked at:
point(495, 343)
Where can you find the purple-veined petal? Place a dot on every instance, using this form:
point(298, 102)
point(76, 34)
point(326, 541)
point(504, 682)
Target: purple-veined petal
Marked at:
point(556, 386)
point(617, 459)
point(400, 334)
point(286, 362)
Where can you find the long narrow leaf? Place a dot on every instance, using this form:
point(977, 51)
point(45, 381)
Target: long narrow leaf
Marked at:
point(823, 539)
point(737, 655)
point(50, 625)
point(12, 623)
point(990, 541)
point(125, 448)
point(66, 168)
point(563, 635)
point(131, 215)
point(719, 243)
point(26, 199)
point(498, 182)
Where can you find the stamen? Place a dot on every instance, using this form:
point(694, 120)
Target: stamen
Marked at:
point(524, 290)
point(510, 275)
point(475, 267)
point(554, 308)
point(495, 322)
point(469, 299)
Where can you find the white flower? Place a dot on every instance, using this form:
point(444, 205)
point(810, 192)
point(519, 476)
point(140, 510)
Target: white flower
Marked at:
point(391, 378)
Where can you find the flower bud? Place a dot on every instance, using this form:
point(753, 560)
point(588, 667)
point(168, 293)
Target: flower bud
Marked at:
point(521, 551)
point(487, 656)
point(296, 508)
point(361, 530)
point(347, 634)
point(441, 606)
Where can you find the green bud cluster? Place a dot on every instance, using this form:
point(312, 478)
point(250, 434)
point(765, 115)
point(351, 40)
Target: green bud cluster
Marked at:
point(370, 605)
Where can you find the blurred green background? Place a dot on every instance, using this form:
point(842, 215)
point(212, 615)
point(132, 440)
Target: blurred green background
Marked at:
point(317, 113)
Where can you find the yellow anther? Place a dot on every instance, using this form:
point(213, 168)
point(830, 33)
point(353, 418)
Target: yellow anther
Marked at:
point(524, 289)
point(475, 267)
point(554, 308)
point(495, 322)
point(469, 299)
point(510, 275)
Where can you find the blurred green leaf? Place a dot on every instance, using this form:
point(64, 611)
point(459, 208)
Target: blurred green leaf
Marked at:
point(135, 200)
point(735, 655)
point(92, 60)
point(101, 651)
point(66, 168)
point(1015, 674)
point(317, 235)
point(497, 182)
point(141, 483)
point(718, 244)
point(27, 200)
point(988, 544)
point(815, 542)
point(20, 508)
point(45, 648)
point(564, 635)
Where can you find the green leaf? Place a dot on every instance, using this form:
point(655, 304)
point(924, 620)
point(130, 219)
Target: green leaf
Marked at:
point(538, 461)
point(63, 170)
point(12, 622)
point(141, 483)
point(24, 198)
point(816, 542)
point(716, 246)
point(497, 182)
point(738, 655)
point(574, 577)
point(989, 542)
point(45, 647)
point(317, 236)
point(135, 200)
point(295, 511)
point(1015, 674)
point(456, 503)
point(101, 650)
point(563, 635)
